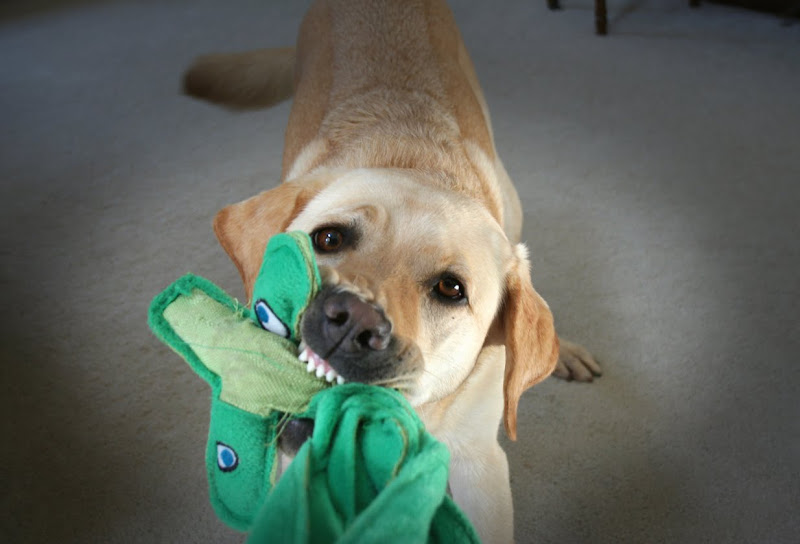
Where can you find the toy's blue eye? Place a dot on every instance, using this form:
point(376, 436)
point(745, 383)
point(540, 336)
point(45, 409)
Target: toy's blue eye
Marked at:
point(227, 460)
point(269, 321)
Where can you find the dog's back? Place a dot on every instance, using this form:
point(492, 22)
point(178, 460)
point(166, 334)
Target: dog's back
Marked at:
point(365, 71)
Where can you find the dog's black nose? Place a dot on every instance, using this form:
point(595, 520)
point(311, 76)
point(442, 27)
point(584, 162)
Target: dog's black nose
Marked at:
point(353, 325)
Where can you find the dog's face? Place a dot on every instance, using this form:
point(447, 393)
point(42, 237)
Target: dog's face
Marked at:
point(415, 278)
point(432, 264)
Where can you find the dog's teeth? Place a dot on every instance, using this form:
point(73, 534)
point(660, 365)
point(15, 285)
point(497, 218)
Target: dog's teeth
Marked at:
point(303, 356)
point(330, 376)
point(339, 380)
point(302, 346)
point(320, 371)
point(311, 367)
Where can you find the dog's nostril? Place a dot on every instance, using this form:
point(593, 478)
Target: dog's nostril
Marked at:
point(379, 341)
point(376, 339)
point(339, 319)
point(364, 338)
point(336, 311)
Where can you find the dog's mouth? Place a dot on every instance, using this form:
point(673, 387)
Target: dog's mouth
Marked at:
point(318, 366)
point(349, 339)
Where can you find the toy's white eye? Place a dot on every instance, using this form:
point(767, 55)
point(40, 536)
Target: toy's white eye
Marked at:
point(269, 321)
point(227, 460)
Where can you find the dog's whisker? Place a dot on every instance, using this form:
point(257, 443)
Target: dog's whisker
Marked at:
point(432, 358)
point(429, 373)
point(400, 382)
point(393, 380)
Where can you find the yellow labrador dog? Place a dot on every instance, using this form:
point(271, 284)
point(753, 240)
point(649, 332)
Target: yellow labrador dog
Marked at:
point(390, 166)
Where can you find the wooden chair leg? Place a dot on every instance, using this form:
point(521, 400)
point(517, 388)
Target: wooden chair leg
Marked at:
point(601, 13)
point(600, 17)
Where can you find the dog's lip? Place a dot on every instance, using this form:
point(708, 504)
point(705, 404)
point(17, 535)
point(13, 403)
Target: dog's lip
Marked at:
point(317, 365)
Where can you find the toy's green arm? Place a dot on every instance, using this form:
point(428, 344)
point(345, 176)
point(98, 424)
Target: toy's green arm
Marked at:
point(247, 367)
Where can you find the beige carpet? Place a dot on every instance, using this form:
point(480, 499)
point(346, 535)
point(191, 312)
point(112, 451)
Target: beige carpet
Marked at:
point(659, 168)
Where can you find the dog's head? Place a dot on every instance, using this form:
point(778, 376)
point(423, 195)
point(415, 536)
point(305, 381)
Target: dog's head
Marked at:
point(415, 278)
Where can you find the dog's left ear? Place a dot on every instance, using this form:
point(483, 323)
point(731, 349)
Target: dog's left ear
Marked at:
point(530, 337)
point(243, 229)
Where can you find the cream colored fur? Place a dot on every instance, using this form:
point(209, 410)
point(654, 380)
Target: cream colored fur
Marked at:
point(389, 133)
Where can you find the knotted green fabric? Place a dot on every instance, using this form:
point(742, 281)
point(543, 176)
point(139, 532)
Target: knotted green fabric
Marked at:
point(369, 472)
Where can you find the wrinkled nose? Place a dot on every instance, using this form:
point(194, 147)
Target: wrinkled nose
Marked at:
point(353, 325)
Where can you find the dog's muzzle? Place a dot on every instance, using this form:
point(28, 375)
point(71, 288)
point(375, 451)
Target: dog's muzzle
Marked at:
point(347, 338)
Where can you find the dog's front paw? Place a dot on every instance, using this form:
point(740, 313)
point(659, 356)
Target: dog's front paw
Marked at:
point(575, 363)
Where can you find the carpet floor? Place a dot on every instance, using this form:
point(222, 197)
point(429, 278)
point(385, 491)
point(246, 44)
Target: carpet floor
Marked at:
point(659, 170)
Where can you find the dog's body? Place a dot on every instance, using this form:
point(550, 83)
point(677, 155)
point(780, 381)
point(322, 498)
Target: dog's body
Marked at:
point(390, 165)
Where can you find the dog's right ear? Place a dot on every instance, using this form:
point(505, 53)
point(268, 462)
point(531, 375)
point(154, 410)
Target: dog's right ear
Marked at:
point(243, 229)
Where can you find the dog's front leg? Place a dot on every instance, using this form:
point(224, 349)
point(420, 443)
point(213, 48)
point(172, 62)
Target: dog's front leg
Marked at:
point(480, 486)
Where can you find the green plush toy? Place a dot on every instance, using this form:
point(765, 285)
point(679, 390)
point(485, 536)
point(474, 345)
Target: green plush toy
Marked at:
point(369, 473)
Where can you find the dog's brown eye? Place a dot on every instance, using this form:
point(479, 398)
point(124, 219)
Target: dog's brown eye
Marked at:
point(450, 289)
point(328, 239)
